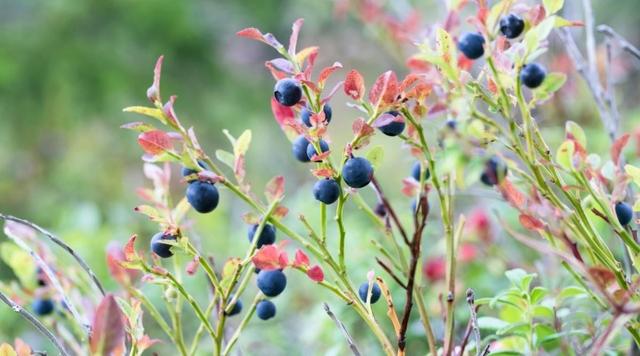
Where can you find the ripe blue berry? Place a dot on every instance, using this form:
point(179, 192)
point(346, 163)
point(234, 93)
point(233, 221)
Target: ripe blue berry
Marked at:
point(393, 128)
point(305, 115)
point(311, 150)
point(452, 124)
point(162, 249)
point(532, 75)
point(471, 45)
point(265, 309)
point(357, 172)
point(494, 171)
point(299, 148)
point(42, 307)
point(237, 308)
point(375, 292)
point(326, 191)
point(380, 210)
point(415, 172)
point(272, 283)
point(624, 213)
point(267, 236)
point(287, 92)
point(203, 196)
point(188, 171)
point(511, 26)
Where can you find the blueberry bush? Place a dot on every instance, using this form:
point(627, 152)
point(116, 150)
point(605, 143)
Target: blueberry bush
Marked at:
point(467, 113)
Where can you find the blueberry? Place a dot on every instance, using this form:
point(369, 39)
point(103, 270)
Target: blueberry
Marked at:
point(42, 307)
point(162, 249)
point(203, 196)
point(237, 308)
point(393, 128)
point(380, 210)
point(265, 309)
point(415, 172)
point(326, 191)
point(305, 115)
point(299, 148)
point(287, 92)
point(188, 171)
point(624, 213)
point(471, 45)
point(532, 75)
point(511, 26)
point(272, 282)
point(267, 236)
point(494, 171)
point(357, 172)
point(311, 150)
point(375, 292)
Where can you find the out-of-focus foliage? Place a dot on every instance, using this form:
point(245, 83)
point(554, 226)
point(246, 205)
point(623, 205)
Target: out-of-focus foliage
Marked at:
point(68, 67)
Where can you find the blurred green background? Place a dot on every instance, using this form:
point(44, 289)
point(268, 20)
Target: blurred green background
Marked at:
point(68, 67)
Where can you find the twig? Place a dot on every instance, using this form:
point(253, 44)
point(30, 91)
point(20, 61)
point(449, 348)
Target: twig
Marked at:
point(626, 45)
point(62, 244)
point(471, 299)
point(389, 209)
point(35, 322)
point(423, 212)
point(345, 332)
point(391, 273)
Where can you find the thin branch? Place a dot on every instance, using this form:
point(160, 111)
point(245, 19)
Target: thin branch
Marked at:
point(391, 273)
point(62, 244)
point(422, 212)
point(347, 336)
point(389, 209)
point(626, 45)
point(472, 326)
point(35, 322)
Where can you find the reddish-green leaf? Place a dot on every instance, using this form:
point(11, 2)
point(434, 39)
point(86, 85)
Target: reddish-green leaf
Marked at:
point(301, 259)
point(618, 146)
point(316, 274)
point(108, 332)
point(275, 188)
point(530, 223)
point(354, 85)
point(293, 40)
point(155, 142)
point(384, 89)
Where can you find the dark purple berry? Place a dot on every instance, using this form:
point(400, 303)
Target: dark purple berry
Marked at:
point(267, 236)
point(511, 26)
point(299, 148)
point(415, 172)
point(357, 172)
point(494, 171)
point(311, 150)
point(624, 213)
point(188, 171)
point(532, 75)
point(271, 283)
point(375, 292)
point(203, 196)
point(159, 248)
point(326, 191)
point(236, 309)
point(287, 92)
point(393, 128)
point(265, 309)
point(471, 44)
point(42, 307)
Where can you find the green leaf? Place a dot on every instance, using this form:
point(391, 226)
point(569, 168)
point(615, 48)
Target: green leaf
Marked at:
point(506, 353)
point(633, 172)
point(552, 83)
point(447, 50)
point(636, 206)
point(564, 155)
point(537, 294)
point(225, 157)
point(541, 311)
point(491, 323)
point(552, 6)
point(242, 144)
point(542, 331)
point(375, 156)
point(146, 111)
point(570, 292)
point(521, 328)
point(538, 34)
point(20, 262)
point(520, 279)
point(574, 130)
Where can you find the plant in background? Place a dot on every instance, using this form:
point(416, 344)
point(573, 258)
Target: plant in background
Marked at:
point(486, 85)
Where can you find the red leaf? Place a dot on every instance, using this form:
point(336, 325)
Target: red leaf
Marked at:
point(323, 172)
point(280, 211)
point(284, 115)
point(537, 14)
point(410, 187)
point(251, 33)
point(153, 93)
point(283, 259)
point(301, 259)
point(267, 258)
point(618, 146)
point(275, 188)
point(602, 275)
point(238, 168)
point(326, 72)
point(418, 65)
point(511, 194)
point(320, 157)
point(354, 85)
point(384, 90)
point(169, 112)
point(108, 328)
point(277, 74)
point(530, 223)
point(155, 142)
point(293, 40)
point(281, 64)
point(316, 274)
point(115, 258)
point(129, 250)
point(192, 266)
point(435, 268)
point(361, 128)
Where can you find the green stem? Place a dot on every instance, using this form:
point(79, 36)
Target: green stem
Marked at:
point(243, 324)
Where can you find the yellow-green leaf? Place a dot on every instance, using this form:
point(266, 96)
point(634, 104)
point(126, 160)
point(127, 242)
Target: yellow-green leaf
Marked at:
point(20, 262)
point(538, 34)
point(242, 143)
point(574, 130)
point(564, 155)
point(225, 157)
point(633, 172)
point(552, 6)
point(552, 83)
point(146, 111)
point(375, 156)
